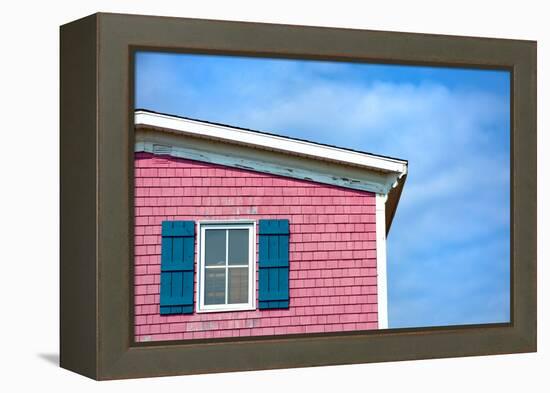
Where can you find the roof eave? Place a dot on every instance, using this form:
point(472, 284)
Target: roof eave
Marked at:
point(268, 141)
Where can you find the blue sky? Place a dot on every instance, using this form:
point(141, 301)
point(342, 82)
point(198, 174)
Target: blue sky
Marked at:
point(448, 248)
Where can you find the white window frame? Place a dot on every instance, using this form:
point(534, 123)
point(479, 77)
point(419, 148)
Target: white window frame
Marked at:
point(227, 224)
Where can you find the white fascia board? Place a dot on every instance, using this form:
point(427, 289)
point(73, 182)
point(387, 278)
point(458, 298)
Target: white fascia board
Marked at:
point(381, 262)
point(271, 142)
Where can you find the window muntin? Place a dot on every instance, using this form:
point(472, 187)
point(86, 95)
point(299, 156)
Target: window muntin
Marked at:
point(227, 266)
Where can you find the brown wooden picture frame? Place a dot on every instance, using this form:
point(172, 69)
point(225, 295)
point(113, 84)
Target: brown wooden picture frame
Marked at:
point(97, 145)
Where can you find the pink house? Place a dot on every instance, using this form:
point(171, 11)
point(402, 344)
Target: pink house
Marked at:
point(246, 233)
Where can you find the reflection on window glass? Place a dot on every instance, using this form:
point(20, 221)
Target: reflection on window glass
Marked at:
point(214, 247)
point(238, 247)
point(214, 286)
point(238, 285)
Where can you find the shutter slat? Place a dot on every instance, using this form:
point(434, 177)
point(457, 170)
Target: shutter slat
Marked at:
point(273, 284)
point(273, 264)
point(177, 250)
point(166, 252)
point(189, 252)
point(177, 267)
point(263, 278)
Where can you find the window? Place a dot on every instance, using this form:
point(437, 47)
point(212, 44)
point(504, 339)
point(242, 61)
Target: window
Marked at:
point(227, 266)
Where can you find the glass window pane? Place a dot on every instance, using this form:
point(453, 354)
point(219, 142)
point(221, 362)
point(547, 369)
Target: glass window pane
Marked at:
point(238, 247)
point(214, 286)
point(214, 247)
point(238, 285)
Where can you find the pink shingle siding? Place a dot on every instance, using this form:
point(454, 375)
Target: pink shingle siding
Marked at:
point(332, 248)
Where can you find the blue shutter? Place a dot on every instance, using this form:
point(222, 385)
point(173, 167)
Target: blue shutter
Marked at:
point(177, 267)
point(273, 264)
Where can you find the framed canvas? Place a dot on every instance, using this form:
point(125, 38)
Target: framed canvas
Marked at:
point(191, 245)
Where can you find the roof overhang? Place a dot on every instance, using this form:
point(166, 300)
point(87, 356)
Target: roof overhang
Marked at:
point(226, 145)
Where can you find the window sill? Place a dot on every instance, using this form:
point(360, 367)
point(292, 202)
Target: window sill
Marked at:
point(233, 309)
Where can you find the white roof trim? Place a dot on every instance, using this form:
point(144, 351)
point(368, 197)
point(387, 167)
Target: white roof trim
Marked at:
point(271, 142)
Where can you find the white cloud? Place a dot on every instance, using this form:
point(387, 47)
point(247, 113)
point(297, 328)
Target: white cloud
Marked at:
point(456, 192)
